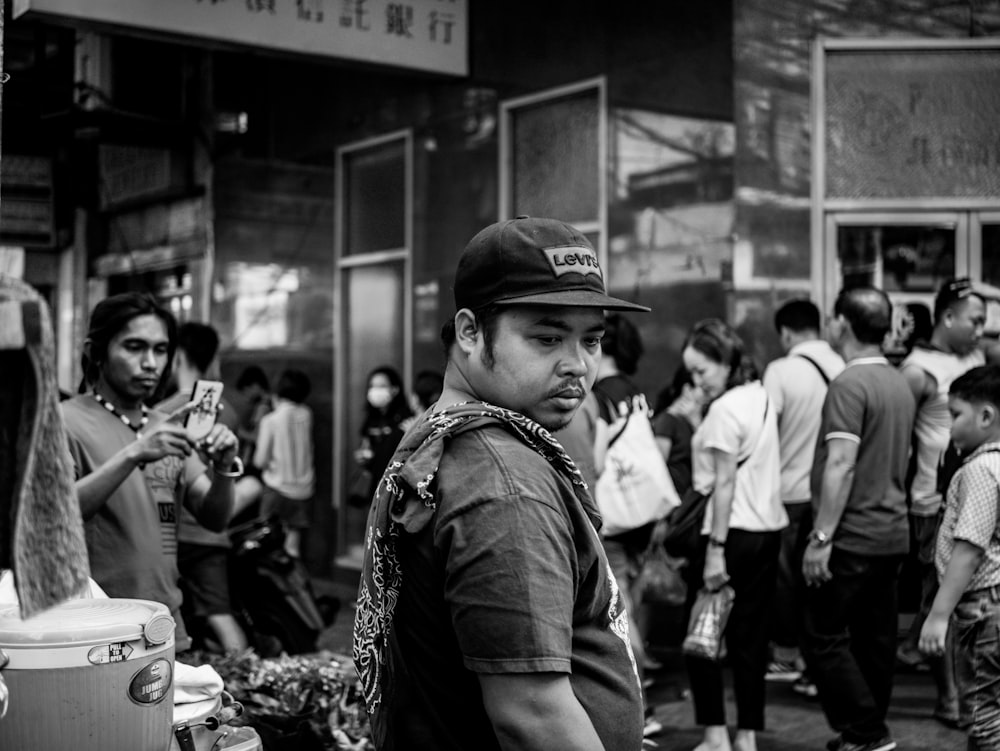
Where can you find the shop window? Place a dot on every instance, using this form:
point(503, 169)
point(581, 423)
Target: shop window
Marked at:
point(896, 258)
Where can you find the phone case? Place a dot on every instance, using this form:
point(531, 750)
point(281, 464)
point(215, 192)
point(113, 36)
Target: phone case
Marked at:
point(200, 420)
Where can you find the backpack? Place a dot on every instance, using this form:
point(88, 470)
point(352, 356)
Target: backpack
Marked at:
point(635, 487)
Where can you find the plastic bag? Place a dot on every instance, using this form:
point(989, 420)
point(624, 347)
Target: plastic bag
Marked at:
point(708, 623)
point(660, 578)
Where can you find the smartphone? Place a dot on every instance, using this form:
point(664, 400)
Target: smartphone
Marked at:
point(200, 420)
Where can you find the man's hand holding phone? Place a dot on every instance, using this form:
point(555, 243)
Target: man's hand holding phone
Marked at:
point(216, 444)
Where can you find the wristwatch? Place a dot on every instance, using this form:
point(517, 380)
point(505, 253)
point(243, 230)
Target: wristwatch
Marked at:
point(819, 538)
point(715, 542)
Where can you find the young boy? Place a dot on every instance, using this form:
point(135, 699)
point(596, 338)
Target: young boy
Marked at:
point(284, 455)
point(968, 558)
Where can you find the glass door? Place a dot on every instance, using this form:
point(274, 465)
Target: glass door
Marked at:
point(374, 242)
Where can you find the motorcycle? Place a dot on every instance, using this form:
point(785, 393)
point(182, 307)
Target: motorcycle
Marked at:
point(271, 593)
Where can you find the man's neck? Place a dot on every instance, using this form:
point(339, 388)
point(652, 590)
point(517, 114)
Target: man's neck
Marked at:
point(858, 351)
point(939, 341)
point(120, 402)
point(795, 339)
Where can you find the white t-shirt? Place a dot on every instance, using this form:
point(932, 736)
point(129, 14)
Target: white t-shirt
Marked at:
point(736, 423)
point(797, 391)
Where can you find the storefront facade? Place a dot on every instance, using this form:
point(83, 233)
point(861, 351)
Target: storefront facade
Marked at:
point(313, 209)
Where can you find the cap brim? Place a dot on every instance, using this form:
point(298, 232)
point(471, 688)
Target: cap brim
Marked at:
point(578, 298)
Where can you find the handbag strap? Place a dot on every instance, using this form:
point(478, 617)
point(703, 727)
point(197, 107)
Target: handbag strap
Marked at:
point(767, 405)
point(612, 409)
point(822, 373)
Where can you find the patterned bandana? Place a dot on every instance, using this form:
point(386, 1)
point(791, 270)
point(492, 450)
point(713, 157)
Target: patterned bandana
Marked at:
point(409, 477)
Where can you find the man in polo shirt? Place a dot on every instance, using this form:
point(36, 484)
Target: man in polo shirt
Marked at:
point(796, 385)
point(860, 533)
point(488, 616)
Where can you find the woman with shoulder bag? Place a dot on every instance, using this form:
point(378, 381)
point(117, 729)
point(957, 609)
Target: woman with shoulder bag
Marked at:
point(735, 463)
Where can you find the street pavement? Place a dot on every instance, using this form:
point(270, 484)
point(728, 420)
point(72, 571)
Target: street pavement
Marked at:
point(794, 723)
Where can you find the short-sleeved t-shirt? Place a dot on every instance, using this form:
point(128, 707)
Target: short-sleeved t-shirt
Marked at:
point(871, 404)
point(741, 423)
point(132, 539)
point(509, 577)
point(971, 514)
point(679, 432)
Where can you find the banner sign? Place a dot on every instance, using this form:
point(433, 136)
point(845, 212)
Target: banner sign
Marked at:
point(428, 35)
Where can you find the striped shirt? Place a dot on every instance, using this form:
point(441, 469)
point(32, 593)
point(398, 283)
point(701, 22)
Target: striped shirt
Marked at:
point(971, 514)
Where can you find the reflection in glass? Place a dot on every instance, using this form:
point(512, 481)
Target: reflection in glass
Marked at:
point(266, 306)
point(671, 213)
point(896, 258)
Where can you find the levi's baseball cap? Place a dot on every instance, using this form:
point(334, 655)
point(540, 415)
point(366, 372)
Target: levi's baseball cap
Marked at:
point(532, 261)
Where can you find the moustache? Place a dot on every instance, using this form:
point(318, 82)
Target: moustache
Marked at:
point(569, 389)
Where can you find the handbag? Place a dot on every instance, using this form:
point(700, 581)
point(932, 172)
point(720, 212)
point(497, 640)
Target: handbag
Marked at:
point(660, 579)
point(707, 625)
point(635, 487)
point(684, 523)
point(359, 487)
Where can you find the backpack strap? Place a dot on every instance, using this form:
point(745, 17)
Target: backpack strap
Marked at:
point(822, 373)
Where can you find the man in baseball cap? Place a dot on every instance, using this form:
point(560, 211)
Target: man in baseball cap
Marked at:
point(487, 615)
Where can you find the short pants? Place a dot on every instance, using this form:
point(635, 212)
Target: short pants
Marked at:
point(292, 512)
point(204, 571)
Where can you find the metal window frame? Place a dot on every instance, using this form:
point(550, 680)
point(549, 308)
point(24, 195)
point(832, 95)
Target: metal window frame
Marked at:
point(823, 254)
point(508, 108)
point(343, 263)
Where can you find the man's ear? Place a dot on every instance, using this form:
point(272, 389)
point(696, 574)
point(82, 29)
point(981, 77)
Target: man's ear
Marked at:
point(466, 330)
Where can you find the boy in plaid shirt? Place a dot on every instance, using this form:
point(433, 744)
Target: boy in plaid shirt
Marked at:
point(968, 558)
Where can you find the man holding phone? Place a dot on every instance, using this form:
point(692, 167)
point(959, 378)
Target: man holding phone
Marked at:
point(134, 466)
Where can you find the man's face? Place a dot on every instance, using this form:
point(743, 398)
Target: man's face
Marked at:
point(544, 361)
point(964, 324)
point(135, 361)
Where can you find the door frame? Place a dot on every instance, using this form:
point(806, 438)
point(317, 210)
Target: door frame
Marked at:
point(342, 401)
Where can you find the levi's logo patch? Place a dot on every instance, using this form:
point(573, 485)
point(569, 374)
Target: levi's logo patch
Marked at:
point(573, 258)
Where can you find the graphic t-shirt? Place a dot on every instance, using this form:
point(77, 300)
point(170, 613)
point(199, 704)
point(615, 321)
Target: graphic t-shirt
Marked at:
point(509, 577)
point(132, 539)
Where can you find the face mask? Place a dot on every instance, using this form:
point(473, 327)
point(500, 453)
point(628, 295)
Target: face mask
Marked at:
point(379, 397)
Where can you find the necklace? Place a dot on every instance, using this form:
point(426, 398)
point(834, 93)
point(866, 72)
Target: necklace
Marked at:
point(128, 423)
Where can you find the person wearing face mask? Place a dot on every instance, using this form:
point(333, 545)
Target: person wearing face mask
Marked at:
point(382, 430)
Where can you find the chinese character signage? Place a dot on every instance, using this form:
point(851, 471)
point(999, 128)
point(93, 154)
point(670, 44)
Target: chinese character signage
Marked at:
point(429, 35)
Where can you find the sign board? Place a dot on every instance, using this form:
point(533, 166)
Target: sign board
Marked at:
point(428, 35)
point(27, 215)
point(912, 123)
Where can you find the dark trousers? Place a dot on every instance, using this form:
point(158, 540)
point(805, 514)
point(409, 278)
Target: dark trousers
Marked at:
point(787, 610)
point(849, 638)
point(752, 565)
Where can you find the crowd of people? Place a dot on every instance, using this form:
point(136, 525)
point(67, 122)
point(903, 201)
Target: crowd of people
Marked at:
point(499, 604)
point(504, 611)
